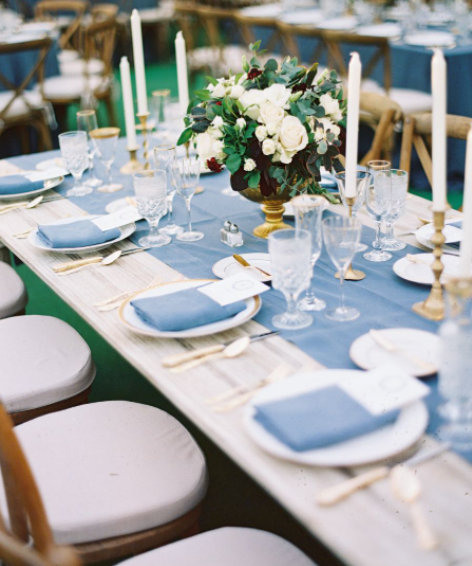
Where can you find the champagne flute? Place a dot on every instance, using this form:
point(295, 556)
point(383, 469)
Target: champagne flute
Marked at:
point(378, 200)
point(362, 180)
point(164, 156)
point(341, 236)
point(86, 122)
point(186, 173)
point(308, 215)
point(74, 151)
point(105, 141)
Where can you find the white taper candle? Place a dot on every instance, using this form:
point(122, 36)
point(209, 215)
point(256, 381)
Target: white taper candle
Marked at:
point(138, 54)
point(128, 106)
point(465, 265)
point(182, 77)
point(438, 88)
point(352, 130)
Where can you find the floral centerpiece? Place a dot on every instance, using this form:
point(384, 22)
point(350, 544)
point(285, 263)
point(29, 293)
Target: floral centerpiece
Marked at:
point(273, 127)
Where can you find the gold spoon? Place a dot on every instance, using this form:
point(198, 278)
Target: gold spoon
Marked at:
point(25, 205)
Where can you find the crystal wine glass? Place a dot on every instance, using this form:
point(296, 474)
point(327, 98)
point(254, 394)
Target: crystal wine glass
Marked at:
point(308, 215)
point(399, 192)
point(150, 187)
point(378, 201)
point(186, 173)
point(290, 261)
point(341, 236)
point(362, 179)
point(74, 151)
point(86, 122)
point(164, 156)
point(105, 141)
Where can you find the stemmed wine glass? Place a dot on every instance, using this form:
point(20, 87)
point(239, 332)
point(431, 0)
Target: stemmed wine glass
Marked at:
point(159, 106)
point(74, 151)
point(362, 180)
point(150, 187)
point(105, 141)
point(341, 236)
point(186, 173)
point(308, 215)
point(378, 201)
point(290, 261)
point(164, 156)
point(399, 192)
point(86, 122)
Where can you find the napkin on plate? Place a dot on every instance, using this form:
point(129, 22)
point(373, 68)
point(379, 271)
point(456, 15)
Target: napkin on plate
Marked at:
point(17, 184)
point(183, 310)
point(75, 234)
point(319, 419)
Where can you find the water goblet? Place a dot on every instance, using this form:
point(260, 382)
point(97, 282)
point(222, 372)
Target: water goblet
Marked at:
point(378, 201)
point(290, 261)
point(341, 236)
point(186, 173)
point(105, 141)
point(399, 192)
point(150, 187)
point(74, 151)
point(362, 180)
point(86, 122)
point(164, 156)
point(159, 110)
point(308, 215)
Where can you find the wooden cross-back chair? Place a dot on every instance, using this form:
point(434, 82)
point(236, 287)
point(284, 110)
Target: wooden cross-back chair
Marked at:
point(20, 107)
point(289, 34)
point(101, 12)
point(247, 25)
point(27, 515)
point(50, 9)
point(417, 131)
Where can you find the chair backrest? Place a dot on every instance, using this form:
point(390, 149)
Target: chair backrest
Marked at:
point(289, 34)
point(38, 48)
point(417, 131)
point(50, 9)
point(27, 515)
point(248, 23)
point(101, 12)
point(99, 41)
point(187, 15)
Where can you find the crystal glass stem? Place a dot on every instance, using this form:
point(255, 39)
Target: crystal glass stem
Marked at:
point(377, 243)
point(77, 177)
point(189, 221)
point(389, 233)
point(342, 305)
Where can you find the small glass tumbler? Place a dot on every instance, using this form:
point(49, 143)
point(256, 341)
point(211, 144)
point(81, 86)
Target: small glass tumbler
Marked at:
point(362, 181)
point(74, 152)
point(397, 209)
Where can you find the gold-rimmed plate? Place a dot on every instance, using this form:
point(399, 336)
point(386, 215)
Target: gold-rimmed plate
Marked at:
point(132, 321)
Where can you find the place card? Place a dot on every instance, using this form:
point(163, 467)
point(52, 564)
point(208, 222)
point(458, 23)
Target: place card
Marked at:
point(52, 173)
point(118, 218)
point(236, 288)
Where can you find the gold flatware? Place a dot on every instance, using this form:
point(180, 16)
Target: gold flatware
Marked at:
point(73, 266)
point(388, 346)
point(407, 488)
point(199, 190)
point(243, 262)
point(414, 259)
point(177, 359)
point(25, 205)
point(25, 234)
point(131, 201)
point(122, 296)
point(233, 350)
point(340, 491)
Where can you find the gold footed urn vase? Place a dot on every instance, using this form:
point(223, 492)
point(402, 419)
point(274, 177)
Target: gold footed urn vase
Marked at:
point(273, 208)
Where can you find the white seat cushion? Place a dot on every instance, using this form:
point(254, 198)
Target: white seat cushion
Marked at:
point(13, 296)
point(19, 106)
point(72, 87)
point(112, 468)
point(411, 101)
point(79, 66)
point(67, 55)
point(44, 360)
point(225, 547)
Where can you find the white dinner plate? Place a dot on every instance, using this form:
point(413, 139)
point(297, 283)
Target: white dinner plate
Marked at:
point(131, 320)
point(379, 445)
point(264, 11)
point(381, 30)
point(125, 232)
point(345, 23)
point(48, 185)
point(367, 354)
point(302, 17)
point(229, 266)
point(51, 164)
point(430, 39)
point(421, 272)
point(451, 233)
point(45, 27)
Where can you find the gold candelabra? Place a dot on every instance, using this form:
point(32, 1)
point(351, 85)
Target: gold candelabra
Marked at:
point(145, 129)
point(351, 274)
point(133, 164)
point(433, 307)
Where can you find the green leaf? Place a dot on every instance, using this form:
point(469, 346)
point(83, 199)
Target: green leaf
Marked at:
point(212, 81)
point(233, 163)
point(271, 65)
point(203, 94)
point(246, 66)
point(200, 127)
point(254, 180)
point(322, 147)
point(255, 46)
point(185, 136)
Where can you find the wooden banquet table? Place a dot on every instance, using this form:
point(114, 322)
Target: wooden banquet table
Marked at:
point(370, 528)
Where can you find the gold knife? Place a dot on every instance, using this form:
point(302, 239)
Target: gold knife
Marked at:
point(243, 262)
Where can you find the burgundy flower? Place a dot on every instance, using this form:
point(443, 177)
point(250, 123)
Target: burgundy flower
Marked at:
point(254, 73)
point(217, 102)
point(214, 166)
point(300, 87)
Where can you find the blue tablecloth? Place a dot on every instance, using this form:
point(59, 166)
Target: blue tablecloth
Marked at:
point(384, 300)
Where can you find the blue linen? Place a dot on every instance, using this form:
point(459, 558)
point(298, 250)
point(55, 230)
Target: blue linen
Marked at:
point(17, 184)
point(183, 310)
point(319, 418)
point(75, 234)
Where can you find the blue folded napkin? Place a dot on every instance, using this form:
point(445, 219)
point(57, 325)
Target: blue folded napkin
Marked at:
point(16, 184)
point(183, 310)
point(75, 234)
point(318, 419)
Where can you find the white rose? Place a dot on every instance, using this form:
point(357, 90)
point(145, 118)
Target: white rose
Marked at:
point(217, 122)
point(273, 128)
point(249, 165)
point(218, 146)
point(278, 94)
point(331, 107)
point(219, 91)
point(241, 123)
point(271, 113)
point(237, 91)
point(215, 132)
point(285, 158)
point(329, 126)
point(293, 136)
point(251, 101)
point(261, 133)
point(268, 147)
point(205, 146)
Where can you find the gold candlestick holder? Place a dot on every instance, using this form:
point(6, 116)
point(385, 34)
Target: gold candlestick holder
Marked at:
point(145, 129)
point(133, 164)
point(351, 274)
point(433, 307)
